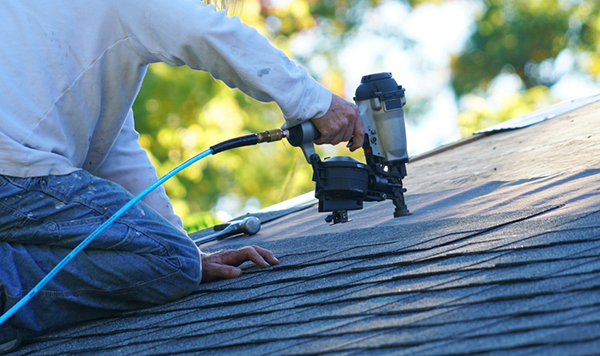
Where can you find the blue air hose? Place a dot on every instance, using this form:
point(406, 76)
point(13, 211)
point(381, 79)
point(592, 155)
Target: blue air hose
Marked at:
point(252, 139)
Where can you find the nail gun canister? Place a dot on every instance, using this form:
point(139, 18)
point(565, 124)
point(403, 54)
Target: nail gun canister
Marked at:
point(344, 183)
point(381, 101)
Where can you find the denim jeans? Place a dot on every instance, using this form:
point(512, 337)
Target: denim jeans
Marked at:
point(140, 260)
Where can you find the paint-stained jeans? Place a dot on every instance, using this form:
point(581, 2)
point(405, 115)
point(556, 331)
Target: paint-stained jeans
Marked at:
point(140, 260)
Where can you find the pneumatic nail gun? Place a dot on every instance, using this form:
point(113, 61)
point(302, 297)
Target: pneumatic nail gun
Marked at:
point(344, 183)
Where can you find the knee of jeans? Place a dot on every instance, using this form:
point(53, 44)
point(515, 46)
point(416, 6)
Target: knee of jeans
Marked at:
point(190, 271)
point(169, 270)
point(193, 268)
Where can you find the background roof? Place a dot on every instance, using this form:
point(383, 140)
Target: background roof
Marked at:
point(501, 254)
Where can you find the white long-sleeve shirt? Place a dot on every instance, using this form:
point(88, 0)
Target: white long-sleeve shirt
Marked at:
point(71, 69)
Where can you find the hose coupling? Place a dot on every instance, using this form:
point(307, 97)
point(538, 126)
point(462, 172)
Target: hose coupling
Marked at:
point(271, 135)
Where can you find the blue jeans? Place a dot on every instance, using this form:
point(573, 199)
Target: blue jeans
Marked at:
point(139, 261)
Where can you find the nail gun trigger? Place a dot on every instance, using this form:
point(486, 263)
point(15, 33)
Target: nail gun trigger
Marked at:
point(350, 142)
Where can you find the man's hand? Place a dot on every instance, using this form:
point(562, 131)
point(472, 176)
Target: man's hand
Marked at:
point(223, 264)
point(340, 123)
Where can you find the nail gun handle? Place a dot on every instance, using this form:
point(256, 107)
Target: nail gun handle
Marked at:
point(304, 136)
point(304, 133)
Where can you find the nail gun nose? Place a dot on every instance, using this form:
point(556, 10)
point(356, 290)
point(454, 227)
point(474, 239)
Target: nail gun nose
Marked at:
point(248, 226)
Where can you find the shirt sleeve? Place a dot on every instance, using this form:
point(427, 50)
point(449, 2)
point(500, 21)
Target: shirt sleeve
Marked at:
point(128, 165)
point(188, 32)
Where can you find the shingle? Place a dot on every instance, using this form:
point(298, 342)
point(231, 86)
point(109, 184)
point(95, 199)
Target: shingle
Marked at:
point(531, 321)
point(490, 262)
point(582, 348)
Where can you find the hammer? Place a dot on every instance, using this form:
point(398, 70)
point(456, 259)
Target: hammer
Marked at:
point(248, 226)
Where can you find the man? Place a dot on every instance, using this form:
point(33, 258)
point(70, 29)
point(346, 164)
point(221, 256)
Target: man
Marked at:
point(69, 156)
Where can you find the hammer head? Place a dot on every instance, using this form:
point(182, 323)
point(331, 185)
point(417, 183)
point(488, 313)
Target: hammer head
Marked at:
point(249, 226)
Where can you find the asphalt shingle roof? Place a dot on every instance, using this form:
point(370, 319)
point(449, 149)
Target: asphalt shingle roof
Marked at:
point(500, 255)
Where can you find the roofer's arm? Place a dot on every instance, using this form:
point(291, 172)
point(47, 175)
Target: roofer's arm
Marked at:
point(239, 56)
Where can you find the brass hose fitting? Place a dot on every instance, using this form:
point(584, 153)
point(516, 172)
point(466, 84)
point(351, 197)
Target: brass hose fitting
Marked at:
point(271, 135)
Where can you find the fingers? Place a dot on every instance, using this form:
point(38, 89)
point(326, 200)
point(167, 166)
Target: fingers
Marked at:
point(359, 135)
point(328, 126)
point(237, 257)
point(223, 264)
point(226, 272)
point(258, 255)
point(267, 255)
point(249, 254)
point(340, 123)
point(213, 268)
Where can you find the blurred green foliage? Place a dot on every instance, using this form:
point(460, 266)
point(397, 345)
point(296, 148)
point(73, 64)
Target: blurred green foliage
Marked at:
point(523, 38)
point(514, 34)
point(180, 113)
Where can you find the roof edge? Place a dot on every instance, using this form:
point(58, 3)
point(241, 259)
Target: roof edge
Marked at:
point(544, 114)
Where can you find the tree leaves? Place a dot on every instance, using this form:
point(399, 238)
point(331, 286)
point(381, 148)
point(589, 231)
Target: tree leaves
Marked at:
point(513, 35)
point(180, 113)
